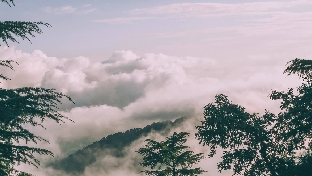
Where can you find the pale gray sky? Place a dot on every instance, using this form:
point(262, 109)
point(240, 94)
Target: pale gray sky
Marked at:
point(218, 29)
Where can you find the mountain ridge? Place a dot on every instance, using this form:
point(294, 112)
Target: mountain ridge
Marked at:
point(112, 145)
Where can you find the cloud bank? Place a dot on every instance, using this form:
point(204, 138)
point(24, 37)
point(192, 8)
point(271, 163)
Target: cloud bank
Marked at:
point(129, 90)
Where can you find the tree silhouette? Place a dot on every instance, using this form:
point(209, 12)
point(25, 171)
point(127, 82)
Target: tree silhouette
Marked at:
point(23, 106)
point(257, 145)
point(9, 2)
point(9, 30)
point(303, 167)
point(170, 157)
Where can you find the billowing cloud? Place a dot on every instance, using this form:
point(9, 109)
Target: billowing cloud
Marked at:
point(34, 64)
point(129, 90)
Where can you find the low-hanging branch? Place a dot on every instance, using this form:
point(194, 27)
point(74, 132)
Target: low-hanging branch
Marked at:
point(9, 2)
point(10, 30)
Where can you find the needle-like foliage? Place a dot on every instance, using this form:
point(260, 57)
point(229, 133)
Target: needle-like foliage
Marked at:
point(6, 63)
point(9, 2)
point(11, 30)
point(20, 107)
point(170, 157)
point(23, 107)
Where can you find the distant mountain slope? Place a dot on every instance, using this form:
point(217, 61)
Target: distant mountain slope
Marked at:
point(113, 145)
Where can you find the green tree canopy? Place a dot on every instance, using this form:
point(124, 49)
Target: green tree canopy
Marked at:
point(170, 157)
point(302, 167)
point(261, 145)
point(23, 106)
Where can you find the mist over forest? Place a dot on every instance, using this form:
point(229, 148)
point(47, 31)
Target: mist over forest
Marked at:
point(233, 75)
point(160, 89)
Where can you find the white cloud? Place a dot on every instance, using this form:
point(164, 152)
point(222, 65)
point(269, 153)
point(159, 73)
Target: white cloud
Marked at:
point(70, 9)
point(61, 10)
point(89, 10)
point(128, 90)
point(220, 9)
point(126, 20)
point(35, 64)
point(87, 5)
point(67, 9)
point(131, 82)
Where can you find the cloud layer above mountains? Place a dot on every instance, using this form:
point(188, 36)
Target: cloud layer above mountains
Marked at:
point(128, 90)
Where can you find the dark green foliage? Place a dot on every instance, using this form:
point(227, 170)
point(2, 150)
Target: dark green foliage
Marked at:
point(114, 145)
point(170, 157)
point(295, 119)
point(249, 143)
point(6, 63)
point(301, 67)
point(19, 107)
point(9, 30)
point(302, 168)
point(261, 145)
point(22, 107)
point(9, 2)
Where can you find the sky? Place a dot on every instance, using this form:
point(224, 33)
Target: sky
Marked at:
point(127, 64)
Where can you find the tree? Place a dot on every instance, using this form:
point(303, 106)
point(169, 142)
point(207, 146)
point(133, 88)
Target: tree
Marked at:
point(303, 167)
point(9, 30)
point(23, 106)
point(9, 2)
point(170, 157)
point(261, 145)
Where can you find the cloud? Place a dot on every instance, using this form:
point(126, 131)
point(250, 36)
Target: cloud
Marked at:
point(35, 64)
point(70, 9)
point(129, 90)
point(151, 83)
point(220, 9)
point(89, 10)
point(105, 163)
point(125, 20)
point(143, 85)
point(61, 10)
point(87, 5)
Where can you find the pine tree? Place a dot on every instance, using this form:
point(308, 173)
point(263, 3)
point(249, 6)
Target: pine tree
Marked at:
point(23, 106)
point(170, 157)
point(9, 30)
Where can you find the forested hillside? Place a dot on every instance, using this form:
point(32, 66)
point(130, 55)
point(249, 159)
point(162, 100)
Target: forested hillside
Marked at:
point(112, 145)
